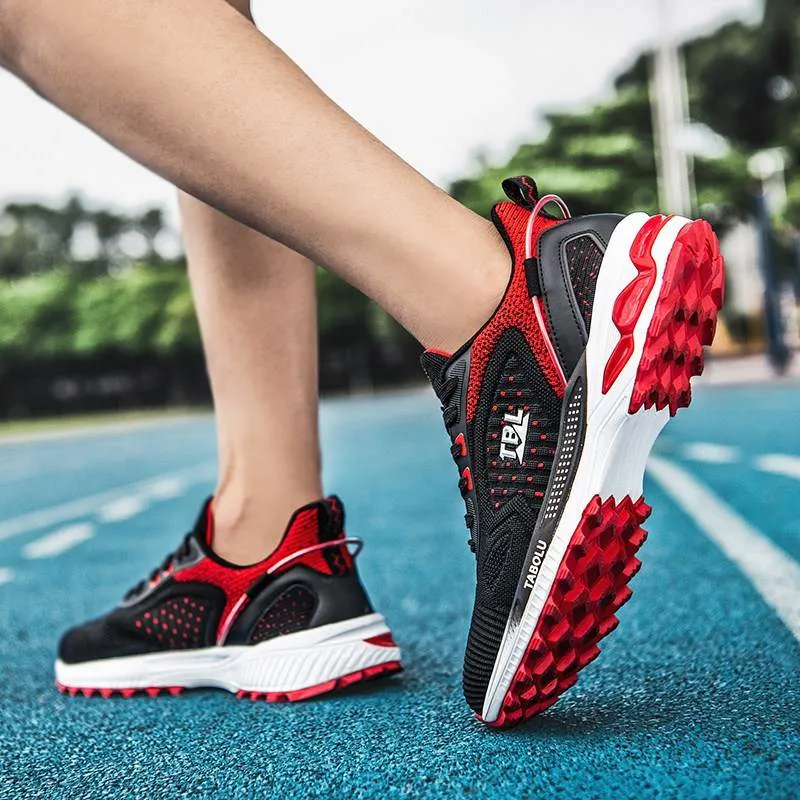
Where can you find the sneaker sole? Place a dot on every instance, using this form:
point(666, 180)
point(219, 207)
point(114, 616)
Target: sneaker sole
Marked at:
point(293, 667)
point(658, 294)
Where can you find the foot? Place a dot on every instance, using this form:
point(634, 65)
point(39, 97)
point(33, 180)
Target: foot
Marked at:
point(295, 625)
point(552, 408)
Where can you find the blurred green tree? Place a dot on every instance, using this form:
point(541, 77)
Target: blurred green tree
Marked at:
point(81, 283)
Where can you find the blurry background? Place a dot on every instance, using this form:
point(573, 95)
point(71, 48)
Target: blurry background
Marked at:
point(674, 104)
point(686, 105)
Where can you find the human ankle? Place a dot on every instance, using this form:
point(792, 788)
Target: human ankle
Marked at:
point(249, 527)
point(481, 284)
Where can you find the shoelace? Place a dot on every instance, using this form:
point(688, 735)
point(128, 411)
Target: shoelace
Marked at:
point(447, 391)
point(448, 387)
point(183, 550)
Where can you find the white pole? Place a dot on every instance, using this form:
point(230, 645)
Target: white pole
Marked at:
point(669, 99)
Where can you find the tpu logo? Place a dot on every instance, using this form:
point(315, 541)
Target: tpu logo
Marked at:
point(514, 436)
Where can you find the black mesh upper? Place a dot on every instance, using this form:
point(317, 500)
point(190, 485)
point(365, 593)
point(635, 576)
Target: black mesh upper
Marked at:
point(174, 617)
point(584, 258)
point(509, 479)
point(178, 623)
point(512, 381)
point(513, 357)
point(289, 613)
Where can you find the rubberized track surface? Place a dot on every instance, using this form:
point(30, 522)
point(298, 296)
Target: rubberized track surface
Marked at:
point(696, 695)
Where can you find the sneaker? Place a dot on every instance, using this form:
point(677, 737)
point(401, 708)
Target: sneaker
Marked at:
point(552, 409)
point(295, 625)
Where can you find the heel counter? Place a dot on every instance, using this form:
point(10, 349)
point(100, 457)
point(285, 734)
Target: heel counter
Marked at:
point(340, 597)
point(299, 599)
point(569, 260)
point(331, 527)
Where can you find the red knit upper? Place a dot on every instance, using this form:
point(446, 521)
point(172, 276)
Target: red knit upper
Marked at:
point(304, 530)
point(515, 308)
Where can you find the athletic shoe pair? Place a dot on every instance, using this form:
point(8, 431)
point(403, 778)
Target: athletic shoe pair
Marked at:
point(552, 408)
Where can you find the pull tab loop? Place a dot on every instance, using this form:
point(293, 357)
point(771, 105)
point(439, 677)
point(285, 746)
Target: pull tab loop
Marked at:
point(521, 190)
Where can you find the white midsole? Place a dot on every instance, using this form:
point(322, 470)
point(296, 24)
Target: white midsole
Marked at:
point(616, 443)
point(285, 663)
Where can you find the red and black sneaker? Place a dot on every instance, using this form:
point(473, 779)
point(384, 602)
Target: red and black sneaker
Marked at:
point(552, 408)
point(295, 625)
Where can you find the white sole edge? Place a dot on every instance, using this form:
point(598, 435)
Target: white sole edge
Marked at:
point(284, 664)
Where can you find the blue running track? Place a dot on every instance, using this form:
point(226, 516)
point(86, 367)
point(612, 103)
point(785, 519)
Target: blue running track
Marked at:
point(696, 695)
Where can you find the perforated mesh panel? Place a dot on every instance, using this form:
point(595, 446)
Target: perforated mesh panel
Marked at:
point(518, 426)
point(291, 612)
point(177, 623)
point(584, 258)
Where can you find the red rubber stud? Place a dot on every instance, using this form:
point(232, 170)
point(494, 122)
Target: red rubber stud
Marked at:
point(589, 588)
point(150, 691)
point(367, 674)
point(684, 320)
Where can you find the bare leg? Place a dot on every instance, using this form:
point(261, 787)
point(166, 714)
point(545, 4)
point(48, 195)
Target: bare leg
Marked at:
point(191, 89)
point(256, 305)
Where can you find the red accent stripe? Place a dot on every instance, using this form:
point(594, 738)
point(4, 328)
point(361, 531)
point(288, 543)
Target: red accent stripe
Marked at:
point(461, 442)
point(210, 524)
point(437, 352)
point(367, 674)
point(629, 305)
point(225, 624)
point(150, 691)
point(382, 640)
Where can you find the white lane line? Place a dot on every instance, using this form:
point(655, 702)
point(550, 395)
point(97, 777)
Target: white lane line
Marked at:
point(167, 488)
point(88, 506)
point(774, 574)
point(124, 508)
point(79, 431)
point(57, 542)
point(711, 453)
point(6, 575)
point(779, 464)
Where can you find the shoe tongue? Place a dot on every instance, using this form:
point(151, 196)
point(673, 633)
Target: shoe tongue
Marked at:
point(204, 526)
point(333, 521)
point(433, 363)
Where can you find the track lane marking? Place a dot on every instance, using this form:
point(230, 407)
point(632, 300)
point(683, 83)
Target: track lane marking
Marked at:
point(124, 508)
point(98, 429)
point(167, 488)
point(773, 573)
point(710, 453)
point(91, 505)
point(57, 542)
point(779, 464)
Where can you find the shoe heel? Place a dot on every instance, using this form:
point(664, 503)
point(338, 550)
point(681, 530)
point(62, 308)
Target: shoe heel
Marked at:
point(684, 320)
